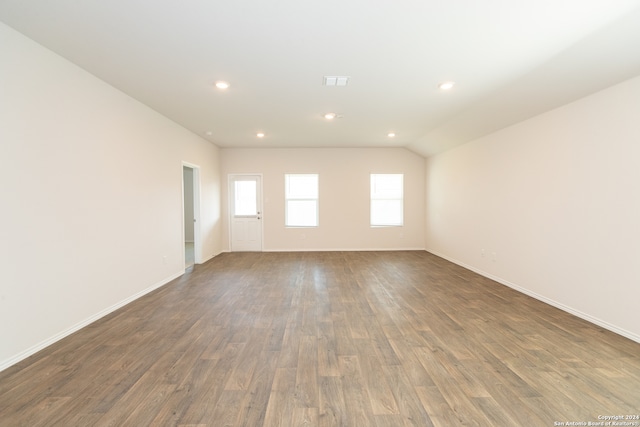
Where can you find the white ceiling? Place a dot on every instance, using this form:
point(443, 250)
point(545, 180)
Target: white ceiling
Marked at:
point(510, 59)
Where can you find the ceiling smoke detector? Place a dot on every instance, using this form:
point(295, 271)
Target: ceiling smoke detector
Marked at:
point(335, 80)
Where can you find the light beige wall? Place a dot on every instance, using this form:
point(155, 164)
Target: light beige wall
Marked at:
point(91, 193)
point(554, 203)
point(344, 196)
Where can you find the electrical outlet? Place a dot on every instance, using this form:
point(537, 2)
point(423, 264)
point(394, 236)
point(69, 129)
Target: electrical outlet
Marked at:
point(164, 259)
point(483, 253)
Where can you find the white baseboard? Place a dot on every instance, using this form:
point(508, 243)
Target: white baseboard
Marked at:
point(342, 249)
point(332, 250)
point(57, 337)
point(209, 258)
point(589, 318)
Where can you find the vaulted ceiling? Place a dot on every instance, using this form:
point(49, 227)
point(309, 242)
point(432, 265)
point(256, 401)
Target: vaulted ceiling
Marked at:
point(510, 60)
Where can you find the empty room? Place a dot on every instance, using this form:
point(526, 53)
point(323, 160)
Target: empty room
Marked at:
point(297, 213)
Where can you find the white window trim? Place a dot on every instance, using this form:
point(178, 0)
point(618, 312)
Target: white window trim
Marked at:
point(372, 198)
point(287, 199)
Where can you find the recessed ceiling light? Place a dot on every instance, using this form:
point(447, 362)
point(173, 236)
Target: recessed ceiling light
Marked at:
point(391, 134)
point(330, 116)
point(260, 134)
point(446, 85)
point(222, 85)
point(209, 133)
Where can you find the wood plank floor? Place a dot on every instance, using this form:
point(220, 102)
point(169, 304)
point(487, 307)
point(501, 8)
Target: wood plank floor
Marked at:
point(328, 339)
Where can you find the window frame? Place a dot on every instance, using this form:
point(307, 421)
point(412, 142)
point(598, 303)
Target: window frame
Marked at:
point(373, 197)
point(288, 198)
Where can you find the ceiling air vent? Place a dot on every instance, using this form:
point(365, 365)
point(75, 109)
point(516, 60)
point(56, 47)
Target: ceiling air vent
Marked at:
point(335, 80)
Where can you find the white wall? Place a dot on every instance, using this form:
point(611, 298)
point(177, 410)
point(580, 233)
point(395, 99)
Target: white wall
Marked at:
point(344, 196)
point(557, 199)
point(91, 193)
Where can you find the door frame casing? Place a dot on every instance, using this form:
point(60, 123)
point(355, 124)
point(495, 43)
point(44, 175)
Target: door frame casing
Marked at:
point(197, 238)
point(230, 206)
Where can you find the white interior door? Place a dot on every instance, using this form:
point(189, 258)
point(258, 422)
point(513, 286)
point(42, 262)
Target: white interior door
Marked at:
point(245, 202)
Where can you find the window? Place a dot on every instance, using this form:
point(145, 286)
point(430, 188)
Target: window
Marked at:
point(386, 200)
point(301, 198)
point(245, 202)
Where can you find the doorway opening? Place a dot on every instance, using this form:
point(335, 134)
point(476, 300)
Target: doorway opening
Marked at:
point(192, 250)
